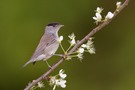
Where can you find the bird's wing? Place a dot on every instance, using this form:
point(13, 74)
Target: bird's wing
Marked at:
point(44, 42)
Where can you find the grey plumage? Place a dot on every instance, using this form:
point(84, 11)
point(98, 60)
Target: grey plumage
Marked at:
point(48, 44)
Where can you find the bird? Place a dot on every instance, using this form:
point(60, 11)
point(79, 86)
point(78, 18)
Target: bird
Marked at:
point(48, 44)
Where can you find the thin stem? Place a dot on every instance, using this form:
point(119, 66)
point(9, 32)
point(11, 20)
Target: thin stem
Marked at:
point(73, 53)
point(68, 48)
point(72, 56)
point(62, 48)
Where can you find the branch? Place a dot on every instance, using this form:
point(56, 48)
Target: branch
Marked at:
point(94, 31)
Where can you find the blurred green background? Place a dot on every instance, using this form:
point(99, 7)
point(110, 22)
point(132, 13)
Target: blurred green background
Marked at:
point(22, 24)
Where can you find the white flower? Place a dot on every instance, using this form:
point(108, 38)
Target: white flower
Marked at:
point(97, 18)
point(62, 83)
point(58, 80)
point(63, 76)
point(73, 42)
point(118, 4)
point(89, 43)
point(52, 80)
point(40, 84)
point(89, 46)
point(80, 50)
point(80, 56)
point(84, 45)
point(99, 10)
point(109, 15)
point(60, 39)
point(91, 50)
point(72, 36)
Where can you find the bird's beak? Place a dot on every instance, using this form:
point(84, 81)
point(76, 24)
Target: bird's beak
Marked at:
point(61, 25)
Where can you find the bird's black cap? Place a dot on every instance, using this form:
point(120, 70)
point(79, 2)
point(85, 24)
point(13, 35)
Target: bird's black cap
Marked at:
point(53, 24)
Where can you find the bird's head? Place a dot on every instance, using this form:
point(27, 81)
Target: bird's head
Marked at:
point(53, 27)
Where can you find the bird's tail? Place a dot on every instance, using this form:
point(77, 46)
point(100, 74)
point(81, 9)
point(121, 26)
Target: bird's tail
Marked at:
point(27, 63)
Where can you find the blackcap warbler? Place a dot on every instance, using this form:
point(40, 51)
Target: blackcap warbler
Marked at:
point(48, 44)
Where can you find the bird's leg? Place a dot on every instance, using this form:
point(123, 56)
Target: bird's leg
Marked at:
point(48, 64)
